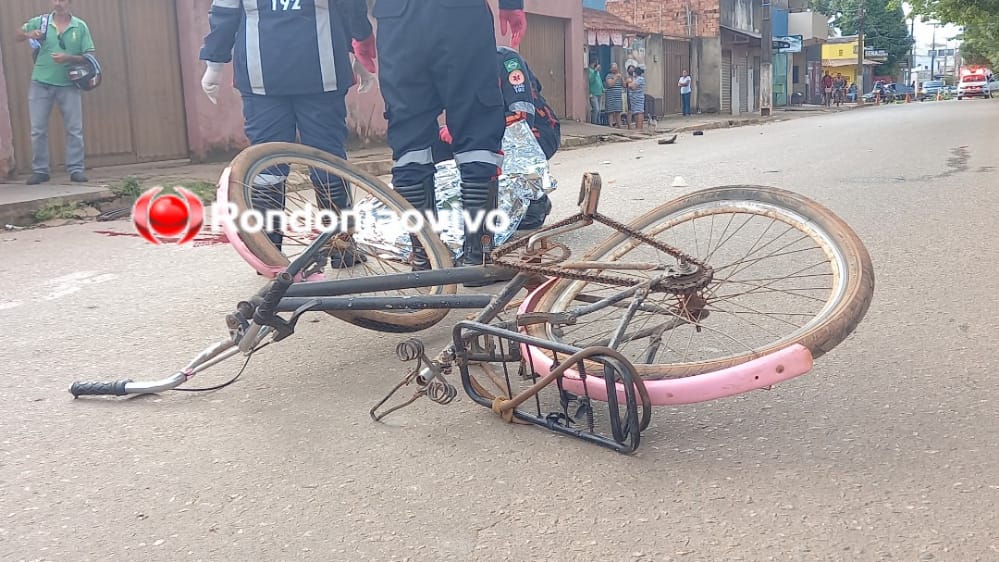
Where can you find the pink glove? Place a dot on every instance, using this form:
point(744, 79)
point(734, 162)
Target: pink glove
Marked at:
point(445, 134)
point(517, 23)
point(365, 52)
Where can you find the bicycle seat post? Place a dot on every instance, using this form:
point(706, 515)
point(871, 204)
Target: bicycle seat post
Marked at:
point(589, 197)
point(589, 194)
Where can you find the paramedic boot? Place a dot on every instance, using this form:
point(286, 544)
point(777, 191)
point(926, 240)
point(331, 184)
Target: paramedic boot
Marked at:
point(331, 195)
point(267, 197)
point(535, 217)
point(477, 200)
point(422, 197)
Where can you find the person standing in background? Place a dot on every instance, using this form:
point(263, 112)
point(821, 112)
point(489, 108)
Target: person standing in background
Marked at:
point(596, 90)
point(684, 84)
point(636, 97)
point(615, 95)
point(62, 40)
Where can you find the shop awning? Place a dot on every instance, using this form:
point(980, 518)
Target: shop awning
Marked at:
point(743, 32)
point(604, 28)
point(832, 63)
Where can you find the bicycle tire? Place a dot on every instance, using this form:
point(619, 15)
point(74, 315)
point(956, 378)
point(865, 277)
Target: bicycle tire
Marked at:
point(829, 332)
point(243, 169)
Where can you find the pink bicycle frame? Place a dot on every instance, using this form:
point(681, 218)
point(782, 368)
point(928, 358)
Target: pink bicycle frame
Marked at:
point(790, 362)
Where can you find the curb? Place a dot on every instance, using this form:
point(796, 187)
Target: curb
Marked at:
point(22, 213)
point(730, 124)
point(374, 167)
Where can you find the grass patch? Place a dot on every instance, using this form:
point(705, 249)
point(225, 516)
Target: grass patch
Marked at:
point(203, 189)
point(58, 210)
point(129, 188)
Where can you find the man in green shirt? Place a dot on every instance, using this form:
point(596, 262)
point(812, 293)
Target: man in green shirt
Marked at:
point(63, 43)
point(596, 91)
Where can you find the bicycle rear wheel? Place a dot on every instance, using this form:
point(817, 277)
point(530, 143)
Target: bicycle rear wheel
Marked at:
point(305, 174)
point(750, 308)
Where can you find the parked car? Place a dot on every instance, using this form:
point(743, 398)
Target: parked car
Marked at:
point(974, 83)
point(994, 85)
point(931, 88)
point(885, 93)
point(901, 90)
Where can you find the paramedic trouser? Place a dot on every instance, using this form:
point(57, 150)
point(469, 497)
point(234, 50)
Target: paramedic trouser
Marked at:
point(320, 120)
point(439, 55)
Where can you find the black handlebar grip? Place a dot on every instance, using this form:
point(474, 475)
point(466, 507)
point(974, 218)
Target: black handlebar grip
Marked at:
point(116, 388)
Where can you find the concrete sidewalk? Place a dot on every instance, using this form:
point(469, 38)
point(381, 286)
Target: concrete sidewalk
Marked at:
point(20, 203)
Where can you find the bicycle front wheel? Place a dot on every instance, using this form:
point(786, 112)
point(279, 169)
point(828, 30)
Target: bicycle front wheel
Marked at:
point(786, 271)
point(286, 178)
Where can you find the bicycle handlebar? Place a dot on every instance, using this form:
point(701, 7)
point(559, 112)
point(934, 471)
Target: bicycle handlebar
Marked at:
point(212, 355)
point(116, 388)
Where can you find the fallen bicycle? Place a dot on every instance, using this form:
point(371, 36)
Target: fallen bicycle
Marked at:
point(662, 312)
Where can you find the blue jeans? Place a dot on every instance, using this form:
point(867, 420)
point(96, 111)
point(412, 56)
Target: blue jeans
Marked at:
point(41, 98)
point(686, 103)
point(594, 109)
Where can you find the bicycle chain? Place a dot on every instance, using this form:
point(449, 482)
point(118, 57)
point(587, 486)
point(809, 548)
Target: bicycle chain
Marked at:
point(683, 285)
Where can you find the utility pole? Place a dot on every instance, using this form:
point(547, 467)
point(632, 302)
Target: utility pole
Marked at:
point(860, 53)
point(933, 55)
point(766, 61)
point(912, 46)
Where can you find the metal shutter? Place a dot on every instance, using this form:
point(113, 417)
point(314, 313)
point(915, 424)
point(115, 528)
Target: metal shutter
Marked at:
point(743, 71)
point(726, 82)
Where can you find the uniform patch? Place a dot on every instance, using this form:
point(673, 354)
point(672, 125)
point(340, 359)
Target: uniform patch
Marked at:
point(516, 77)
point(511, 65)
point(520, 88)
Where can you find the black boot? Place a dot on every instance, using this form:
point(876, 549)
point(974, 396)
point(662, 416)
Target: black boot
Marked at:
point(331, 195)
point(479, 198)
point(422, 197)
point(270, 197)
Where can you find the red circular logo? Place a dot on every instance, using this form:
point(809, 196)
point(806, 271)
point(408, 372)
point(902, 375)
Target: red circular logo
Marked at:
point(172, 216)
point(168, 215)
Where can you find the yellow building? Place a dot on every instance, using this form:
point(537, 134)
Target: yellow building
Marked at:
point(839, 55)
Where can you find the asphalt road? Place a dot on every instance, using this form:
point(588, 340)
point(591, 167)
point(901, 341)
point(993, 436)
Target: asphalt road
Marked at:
point(887, 450)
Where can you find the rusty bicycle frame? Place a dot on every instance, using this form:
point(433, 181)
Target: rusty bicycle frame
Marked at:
point(257, 318)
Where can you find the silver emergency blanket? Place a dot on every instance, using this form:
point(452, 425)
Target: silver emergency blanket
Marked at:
point(526, 177)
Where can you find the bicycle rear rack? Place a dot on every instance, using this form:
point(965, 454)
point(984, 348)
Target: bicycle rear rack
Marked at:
point(525, 396)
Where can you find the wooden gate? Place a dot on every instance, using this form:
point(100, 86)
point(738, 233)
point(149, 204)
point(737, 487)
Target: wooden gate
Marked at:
point(543, 48)
point(137, 114)
point(677, 60)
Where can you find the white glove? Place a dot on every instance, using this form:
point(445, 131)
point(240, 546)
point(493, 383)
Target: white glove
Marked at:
point(366, 79)
point(211, 80)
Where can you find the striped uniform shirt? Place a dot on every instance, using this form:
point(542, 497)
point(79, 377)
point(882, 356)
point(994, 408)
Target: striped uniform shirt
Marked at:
point(286, 47)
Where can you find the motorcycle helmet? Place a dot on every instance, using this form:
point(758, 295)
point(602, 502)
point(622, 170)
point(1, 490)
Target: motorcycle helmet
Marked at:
point(86, 75)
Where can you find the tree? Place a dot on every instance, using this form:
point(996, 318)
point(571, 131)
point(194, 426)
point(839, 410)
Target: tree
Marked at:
point(980, 19)
point(980, 44)
point(884, 26)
